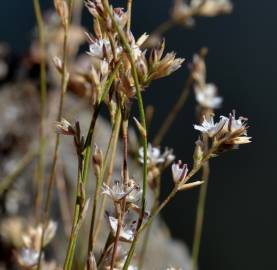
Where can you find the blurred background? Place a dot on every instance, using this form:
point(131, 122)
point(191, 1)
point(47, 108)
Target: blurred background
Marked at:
point(240, 220)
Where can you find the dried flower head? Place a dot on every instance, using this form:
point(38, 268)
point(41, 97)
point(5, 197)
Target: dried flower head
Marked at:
point(163, 66)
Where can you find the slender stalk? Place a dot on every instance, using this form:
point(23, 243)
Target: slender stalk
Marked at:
point(200, 216)
point(64, 82)
point(87, 148)
point(129, 52)
point(147, 234)
point(43, 97)
point(124, 125)
point(109, 176)
point(129, 8)
point(167, 123)
point(8, 180)
point(200, 208)
point(100, 182)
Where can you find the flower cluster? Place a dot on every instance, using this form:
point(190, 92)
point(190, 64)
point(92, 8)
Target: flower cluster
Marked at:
point(229, 131)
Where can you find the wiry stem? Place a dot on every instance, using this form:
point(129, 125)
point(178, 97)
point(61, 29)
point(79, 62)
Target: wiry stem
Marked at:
point(173, 112)
point(200, 216)
point(64, 82)
point(109, 175)
point(129, 8)
point(200, 208)
point(147, 234)
point(40, 166)
point(129, 52)
point(100, 182)
point(124, 125)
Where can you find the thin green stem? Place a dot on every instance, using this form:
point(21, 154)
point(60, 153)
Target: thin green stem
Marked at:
point(129, 8)
point(200, 216)
point(129, 52)
point(99, 184)
point(200, 208)
point(147, 234)
point(64, 82)
point(43, 97)
point(109, 176)
point(121, 212)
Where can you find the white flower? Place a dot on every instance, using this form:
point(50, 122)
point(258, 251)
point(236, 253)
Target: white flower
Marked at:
point(206, 96)
point(27, 258)
point(127, 230)
point(155, 157)
point(211, 8)
point(236, 129)
point(118, 191)
point(209, 127)
point(179, 171)
point(99, 47)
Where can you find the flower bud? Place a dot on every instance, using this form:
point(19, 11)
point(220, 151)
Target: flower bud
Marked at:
point(62, 10)
point(198, 153)
point(97, 160)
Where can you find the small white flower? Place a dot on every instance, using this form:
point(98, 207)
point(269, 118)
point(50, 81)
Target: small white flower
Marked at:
point(127, 230)
point(232, 124)
point(118, 191)
point(179, 171)
point(209, 127)
point(155, 157)
point(207, 96)
point(236, 130)
point(99, 47)
point(27, 257)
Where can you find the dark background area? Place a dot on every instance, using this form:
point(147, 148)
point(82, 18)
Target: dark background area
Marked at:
point(241, 222)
